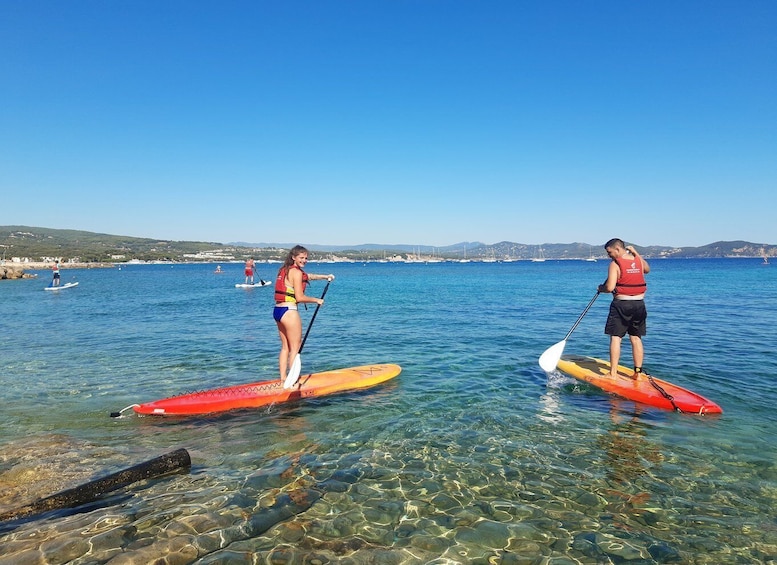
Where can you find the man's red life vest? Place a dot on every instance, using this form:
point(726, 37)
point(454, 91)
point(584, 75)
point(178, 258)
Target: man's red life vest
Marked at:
point(632, 279)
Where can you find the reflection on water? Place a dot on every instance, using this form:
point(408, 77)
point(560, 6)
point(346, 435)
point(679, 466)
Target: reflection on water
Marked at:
point(629, 454)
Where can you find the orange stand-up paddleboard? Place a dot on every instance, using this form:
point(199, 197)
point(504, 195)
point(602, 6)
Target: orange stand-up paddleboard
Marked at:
point(269, 392)
point(645, 389)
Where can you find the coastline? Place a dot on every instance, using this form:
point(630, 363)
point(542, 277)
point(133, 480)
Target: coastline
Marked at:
point(9, 271)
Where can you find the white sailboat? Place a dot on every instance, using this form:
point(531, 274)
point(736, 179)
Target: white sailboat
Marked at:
point(591, 258)
point(540, 258)
point(491, 258)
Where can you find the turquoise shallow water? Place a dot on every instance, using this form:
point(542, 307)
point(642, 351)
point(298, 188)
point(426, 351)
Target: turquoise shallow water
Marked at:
point(472, 455)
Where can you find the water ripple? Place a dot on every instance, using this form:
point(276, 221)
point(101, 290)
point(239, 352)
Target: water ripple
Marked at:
point(472, 455)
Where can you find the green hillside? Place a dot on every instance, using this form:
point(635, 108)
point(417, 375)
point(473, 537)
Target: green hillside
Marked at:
point(37, 243)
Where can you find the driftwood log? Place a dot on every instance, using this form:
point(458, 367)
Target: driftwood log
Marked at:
point(93, 490)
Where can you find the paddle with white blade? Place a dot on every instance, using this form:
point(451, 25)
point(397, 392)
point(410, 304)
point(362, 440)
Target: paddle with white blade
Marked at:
point(296, 366)
point(552, 355)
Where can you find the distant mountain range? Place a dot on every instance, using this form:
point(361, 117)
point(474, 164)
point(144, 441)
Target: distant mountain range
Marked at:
point(368, 247)
point(37, 244)
point(512, 250)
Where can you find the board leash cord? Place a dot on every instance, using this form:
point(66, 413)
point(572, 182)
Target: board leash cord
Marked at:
point(123, 410)
point(665, 394)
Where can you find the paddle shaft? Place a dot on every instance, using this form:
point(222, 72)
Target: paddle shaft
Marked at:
point(552, 355)
point(587, 308)
point(313, 319)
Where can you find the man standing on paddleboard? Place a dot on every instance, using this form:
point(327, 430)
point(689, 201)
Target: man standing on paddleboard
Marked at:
point(55, 270)
point(626, 282)
point(249, 270)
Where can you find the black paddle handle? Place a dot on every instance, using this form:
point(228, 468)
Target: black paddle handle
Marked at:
point(587, 308)
point(313, 319)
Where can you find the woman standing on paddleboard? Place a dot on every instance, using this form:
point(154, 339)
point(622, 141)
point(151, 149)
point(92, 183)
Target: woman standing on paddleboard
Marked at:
point(626, 280)
point(290, 291)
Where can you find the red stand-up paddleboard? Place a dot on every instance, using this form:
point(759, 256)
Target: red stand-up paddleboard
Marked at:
point(645, 389)
point(270, 392)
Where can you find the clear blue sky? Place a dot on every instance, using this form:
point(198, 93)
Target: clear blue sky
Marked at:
point(391, 121)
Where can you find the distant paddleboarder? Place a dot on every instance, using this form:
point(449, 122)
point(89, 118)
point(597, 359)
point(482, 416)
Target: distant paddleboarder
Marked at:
point(250, 269)
point(55, 271)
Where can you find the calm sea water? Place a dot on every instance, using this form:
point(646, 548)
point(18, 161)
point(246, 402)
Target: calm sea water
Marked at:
point(472, 455)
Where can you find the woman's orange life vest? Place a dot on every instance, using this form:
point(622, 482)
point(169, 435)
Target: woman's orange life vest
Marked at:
point(284, 293)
